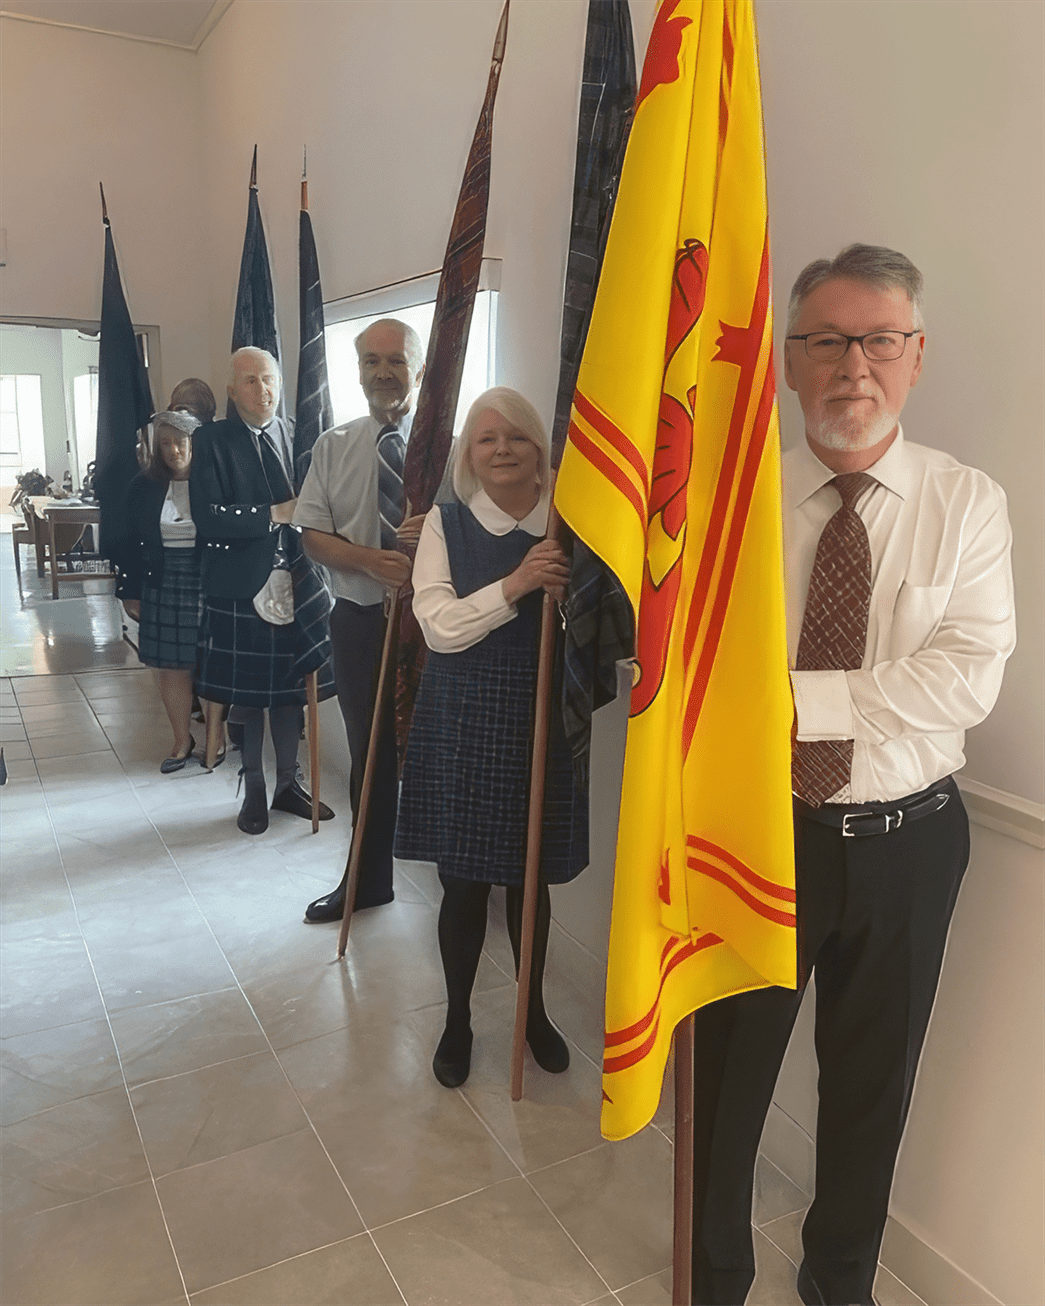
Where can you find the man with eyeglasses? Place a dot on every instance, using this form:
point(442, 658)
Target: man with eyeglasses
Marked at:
point(900, 619)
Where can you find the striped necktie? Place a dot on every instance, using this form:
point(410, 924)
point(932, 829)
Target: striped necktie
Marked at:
point(834, 632)
point(391, 452)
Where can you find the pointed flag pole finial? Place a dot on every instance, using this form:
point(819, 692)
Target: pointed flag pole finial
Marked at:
point(502, 35)
point(105, 211)
point(254, 170)
point(304, 176)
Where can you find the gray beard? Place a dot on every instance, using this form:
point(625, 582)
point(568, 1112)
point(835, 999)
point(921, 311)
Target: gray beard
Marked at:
point(842, 437)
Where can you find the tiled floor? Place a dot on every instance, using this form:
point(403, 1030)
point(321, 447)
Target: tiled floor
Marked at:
point(200, 1104)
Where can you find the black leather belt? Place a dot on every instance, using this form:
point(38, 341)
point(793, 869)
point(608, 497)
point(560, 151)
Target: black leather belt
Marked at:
point(864, 819)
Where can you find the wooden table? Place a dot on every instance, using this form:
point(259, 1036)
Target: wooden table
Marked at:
point(65, 524)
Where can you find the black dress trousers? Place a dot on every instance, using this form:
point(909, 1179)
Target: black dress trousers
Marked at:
point(873, 915)
point(357, 635)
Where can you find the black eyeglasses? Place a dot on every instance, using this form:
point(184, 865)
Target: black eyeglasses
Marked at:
point(878, 346)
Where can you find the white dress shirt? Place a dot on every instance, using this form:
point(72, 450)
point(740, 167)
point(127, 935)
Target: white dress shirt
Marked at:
point(941, 621)
point(339, 497)
point(450, 624)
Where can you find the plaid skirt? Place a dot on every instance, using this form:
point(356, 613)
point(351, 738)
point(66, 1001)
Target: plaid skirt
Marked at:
point(170, 615)
point(247, 662)
point(466, 778)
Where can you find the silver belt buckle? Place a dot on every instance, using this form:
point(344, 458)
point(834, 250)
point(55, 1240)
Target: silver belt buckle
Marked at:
point(846, 832)
point(893, 820)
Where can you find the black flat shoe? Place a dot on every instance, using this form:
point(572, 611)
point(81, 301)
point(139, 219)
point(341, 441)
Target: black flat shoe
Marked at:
point(453, 1059)
point(548, 1046)
point(331, 907)
point(253, 815)
point(174, 763)
point(297, 802)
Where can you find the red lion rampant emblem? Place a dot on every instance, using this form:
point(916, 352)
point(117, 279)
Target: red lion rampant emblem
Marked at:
point(662, 571)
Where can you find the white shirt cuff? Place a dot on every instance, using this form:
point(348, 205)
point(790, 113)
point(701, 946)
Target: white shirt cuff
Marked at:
point(822, 704)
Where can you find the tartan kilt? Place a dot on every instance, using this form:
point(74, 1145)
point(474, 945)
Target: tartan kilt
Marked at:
point(247, 662)
point(466, 778)
point(169, 628)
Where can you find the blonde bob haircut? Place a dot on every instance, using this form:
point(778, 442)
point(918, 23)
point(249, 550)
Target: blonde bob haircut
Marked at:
point(521, 414)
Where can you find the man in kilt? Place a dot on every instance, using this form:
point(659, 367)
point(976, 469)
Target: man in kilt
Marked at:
point(351, 510)
point(242, 504)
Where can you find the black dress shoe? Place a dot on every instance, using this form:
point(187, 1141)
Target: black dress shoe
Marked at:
point(453, 1059)
point(297, 802)
point(331, 907)
point(548, 1046)
point(253, 815)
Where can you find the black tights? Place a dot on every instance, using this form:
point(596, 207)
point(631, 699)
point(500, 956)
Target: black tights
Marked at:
point(285, 724)
point(462, 932)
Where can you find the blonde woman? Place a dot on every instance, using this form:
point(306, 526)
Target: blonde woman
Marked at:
point(481, 568)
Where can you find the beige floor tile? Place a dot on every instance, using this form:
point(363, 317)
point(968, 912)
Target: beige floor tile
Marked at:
point(785, 1233)
point(51, 1066)
point(626, 1234)
point(652, 1291)
point(774, 1278)
point(775, 1195)
point(213, 1112)
point(45, 719)
point(889, 1291)
point(12, 732)
point(70, 743)
point(184, 963)
point(247, 1211)
point(558, 1115)
point(349, 1271)
point(39, 990)
point(171, 1038)
point(110, 1250)
point(500, 1245)
point(72, 1151)
point(401, 1142)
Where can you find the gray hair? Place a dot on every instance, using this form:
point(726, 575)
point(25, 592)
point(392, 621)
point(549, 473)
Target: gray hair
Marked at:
point(252, 349)
point(179, 422)
point(412, 346)
point(522, 415)
point(885, 268)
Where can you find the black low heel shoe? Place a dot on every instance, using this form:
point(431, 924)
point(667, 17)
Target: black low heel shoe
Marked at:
point(548, 1046)
point(254, 814)
point(453, 1059)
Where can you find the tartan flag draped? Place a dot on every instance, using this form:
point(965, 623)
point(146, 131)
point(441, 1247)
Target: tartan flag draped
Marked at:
point(124, 405)
point(607, 105)
point(312, 412)
point(431, 433)
point(671, 475)
point(254, 322)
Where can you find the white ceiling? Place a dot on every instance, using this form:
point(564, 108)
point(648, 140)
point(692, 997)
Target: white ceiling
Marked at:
point(170, 22)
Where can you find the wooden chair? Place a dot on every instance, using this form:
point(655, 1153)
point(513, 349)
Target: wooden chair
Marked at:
point(20, 535)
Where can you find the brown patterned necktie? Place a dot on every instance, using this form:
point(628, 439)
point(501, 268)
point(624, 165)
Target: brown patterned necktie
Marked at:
point(834, 632)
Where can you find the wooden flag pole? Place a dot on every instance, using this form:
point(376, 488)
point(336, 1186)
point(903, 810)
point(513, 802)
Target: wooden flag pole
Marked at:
point(385, 675)
point(312, 695)
point(682, 1259)
point(535, 825)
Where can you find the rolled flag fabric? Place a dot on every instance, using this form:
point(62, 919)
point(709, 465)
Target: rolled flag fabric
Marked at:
point(672, 476)
point(124, 406)
point(312, 411)
point(254, 321)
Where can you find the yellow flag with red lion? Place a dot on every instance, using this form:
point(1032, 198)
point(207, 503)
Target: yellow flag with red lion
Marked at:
point(672, 476)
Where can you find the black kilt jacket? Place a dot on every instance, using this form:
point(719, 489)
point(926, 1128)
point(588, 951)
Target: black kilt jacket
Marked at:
point(231, 491)
point(142, 561)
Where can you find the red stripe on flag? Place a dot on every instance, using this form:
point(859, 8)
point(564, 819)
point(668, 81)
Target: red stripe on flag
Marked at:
point(610, 1065)
point(752, 877)
point(605, 464)
point(739, 345)
point(749, 899)
point(613, 436)
point(616, 1037)
point(745, 493)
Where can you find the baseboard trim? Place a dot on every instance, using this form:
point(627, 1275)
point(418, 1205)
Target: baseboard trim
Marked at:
point(927, 1272)
point(1007, 813)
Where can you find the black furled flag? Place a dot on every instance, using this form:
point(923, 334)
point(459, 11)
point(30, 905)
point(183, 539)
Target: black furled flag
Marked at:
point(608, 91)
point(254, 322)
point(312, 412)
point(124, 405)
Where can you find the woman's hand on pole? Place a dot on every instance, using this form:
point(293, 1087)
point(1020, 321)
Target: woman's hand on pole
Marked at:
point(544, 567)
point(133, 608)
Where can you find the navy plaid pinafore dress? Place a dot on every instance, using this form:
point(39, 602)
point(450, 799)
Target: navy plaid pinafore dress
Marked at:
point(466, 777)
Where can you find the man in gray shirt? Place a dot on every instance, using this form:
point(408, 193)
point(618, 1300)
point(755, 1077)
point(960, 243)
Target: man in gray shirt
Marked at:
point(348, 511)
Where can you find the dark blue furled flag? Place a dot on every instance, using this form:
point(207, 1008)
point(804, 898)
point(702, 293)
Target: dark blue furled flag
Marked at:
point(124, 405)
point(254, 322)
point(608, 90)
point(312, 412)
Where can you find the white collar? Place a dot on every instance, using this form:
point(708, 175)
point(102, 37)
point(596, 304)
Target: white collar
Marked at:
point(498, 522)
point(809, 474)
point(402, 424)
